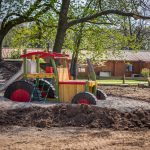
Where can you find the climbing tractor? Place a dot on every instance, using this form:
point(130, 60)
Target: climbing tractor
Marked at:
point(52, 81)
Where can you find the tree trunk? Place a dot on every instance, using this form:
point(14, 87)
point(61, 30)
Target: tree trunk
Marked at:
point(1, 41)
point(124, 74)
point(74, 62)
point(74, 65)
point(0, 51)
point(3, 33)
point(62, 26)
point(148, 79)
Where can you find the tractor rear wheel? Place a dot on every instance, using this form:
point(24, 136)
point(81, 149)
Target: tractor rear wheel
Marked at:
point(100, 95)
point(84, 98)
point(22, 91)
point(46, 88)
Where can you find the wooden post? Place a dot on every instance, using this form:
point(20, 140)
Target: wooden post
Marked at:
point(38, 64)
point(48, 47)
point(25, 64)
point(87, 86)
point(124, 79)
point(57, 77)
point(114, 72)
point(148, 79)
point(37, 69)
point(124, 74)
point(64, 61)
point(95, 89)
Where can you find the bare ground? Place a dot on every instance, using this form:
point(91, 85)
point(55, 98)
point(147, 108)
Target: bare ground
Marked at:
point(67, 138)
point(132, 92)
point(36, 131)
point(78, 138)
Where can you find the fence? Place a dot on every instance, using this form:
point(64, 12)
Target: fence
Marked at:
point(6, 52)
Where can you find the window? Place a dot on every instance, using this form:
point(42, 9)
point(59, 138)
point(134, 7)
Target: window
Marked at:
point(81, 69)
point(129, 67)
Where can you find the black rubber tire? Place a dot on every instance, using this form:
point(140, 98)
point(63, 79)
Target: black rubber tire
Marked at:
point(48, 85)
point(25, 85)
point(100, 95)
point(84, 95)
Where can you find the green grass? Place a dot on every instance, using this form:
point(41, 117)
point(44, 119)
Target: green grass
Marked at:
point(117, 82)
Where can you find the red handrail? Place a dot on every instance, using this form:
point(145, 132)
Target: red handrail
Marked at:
point(44, 54)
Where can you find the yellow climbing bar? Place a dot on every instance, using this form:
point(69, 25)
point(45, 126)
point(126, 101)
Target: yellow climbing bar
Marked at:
point(92, 83)
point(40, 75)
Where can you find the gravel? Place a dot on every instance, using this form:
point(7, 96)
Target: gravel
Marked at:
point(121, 104)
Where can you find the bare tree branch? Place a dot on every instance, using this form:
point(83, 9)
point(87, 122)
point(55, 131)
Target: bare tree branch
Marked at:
point(7, 17)
point(49, 26)
point(32, 8)
point(100, 23)
point(10, 24)
point(107, 12)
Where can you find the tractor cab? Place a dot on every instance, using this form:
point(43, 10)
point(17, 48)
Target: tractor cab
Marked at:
point(51, 81)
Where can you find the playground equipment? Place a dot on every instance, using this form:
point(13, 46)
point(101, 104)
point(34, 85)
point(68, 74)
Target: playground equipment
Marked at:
point(52, 81)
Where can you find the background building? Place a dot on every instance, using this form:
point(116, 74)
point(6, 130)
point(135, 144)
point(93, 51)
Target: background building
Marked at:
point(129, 63)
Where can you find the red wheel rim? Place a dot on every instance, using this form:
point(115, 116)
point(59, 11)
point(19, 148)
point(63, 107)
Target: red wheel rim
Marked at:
point(42, 93)
point(20, 95)
point(84, 101)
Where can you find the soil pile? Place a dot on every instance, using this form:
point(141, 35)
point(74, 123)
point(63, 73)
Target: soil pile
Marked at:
point(77, 116)
point(8, 69)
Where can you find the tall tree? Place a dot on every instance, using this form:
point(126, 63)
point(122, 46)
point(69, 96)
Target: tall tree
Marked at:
point(36, 34)
point(99, 9)
point(15, 12)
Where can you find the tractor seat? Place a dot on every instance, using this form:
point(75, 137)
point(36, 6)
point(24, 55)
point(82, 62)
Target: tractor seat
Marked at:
point(49, 69)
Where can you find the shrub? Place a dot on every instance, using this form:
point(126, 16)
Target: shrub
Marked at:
point(15, 54)
point(145, 72)
point(42, 61)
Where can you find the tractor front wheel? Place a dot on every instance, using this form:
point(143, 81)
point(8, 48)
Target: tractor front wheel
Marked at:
point(84, 98)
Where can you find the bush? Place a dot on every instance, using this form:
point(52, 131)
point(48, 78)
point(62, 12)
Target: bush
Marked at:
point(145, 72)
point(15, 54)
point(42, 61)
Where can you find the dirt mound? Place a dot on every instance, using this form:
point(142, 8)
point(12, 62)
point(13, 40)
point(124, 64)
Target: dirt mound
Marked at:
point(75, 115)
point(8, 69)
